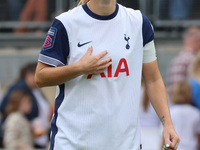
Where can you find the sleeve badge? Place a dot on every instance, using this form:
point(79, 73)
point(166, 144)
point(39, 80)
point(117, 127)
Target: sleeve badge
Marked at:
point(50, 39)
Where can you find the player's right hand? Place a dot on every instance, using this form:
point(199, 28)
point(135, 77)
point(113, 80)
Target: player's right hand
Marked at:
point(94, 64)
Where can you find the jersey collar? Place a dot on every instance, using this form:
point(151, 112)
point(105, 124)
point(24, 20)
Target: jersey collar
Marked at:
point(99, 17)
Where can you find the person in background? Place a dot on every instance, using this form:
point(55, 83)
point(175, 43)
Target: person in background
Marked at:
point(180, 9)
point(34, 10)
point(185, 117)
point(179, 66)
point(26, 82)
point(17, 129)
point(40, 112)
point(195, 81)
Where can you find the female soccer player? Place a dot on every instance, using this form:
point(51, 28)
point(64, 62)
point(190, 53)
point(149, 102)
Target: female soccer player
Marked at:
point(98, 92)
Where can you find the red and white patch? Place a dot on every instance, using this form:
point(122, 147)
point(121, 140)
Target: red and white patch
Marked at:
point(48, 42)
point(50, 39)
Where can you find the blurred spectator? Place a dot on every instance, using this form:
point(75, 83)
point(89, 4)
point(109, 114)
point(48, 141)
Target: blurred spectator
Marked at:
point(179, 67)
point(180, 9)
point(185, 117)
point(195, 81)
point(34, 10)
point(15, 8)
point(17, 129)
point(25, 82)
point(40, 107)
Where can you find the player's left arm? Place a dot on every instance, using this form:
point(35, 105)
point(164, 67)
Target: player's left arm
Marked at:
point(155, 86)
point(157, 94)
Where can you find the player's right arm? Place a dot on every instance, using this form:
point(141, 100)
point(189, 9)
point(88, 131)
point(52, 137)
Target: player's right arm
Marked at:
point(47, 75)
point(53, 68)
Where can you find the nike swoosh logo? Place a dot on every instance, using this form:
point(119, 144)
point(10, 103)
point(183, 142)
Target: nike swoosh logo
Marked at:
point(80, 45)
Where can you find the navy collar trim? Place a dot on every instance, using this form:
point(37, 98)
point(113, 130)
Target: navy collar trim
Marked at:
point(93, 15)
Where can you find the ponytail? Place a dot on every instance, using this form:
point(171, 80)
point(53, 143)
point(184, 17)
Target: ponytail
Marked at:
point(81, 2)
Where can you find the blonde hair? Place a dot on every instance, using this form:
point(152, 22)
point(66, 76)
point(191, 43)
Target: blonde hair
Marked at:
point(195, 68)
point(181, 93)
point(81, 2)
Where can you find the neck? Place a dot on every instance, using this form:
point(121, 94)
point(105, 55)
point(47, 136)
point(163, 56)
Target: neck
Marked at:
point(102, 7)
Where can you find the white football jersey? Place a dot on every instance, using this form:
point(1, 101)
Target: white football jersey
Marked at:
point(98, 112)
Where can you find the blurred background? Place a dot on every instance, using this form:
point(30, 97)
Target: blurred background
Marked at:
point(24, 24)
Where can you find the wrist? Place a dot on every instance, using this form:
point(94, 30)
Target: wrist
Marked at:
point(166, 122)
point(79, 68)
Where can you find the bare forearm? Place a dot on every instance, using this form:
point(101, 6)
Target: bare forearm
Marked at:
point(156, 91)
point(51, 76)
point(158, 97)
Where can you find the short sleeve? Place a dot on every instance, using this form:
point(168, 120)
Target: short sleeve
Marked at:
point(149, 51)
point(147, 30)
point(56, 46)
